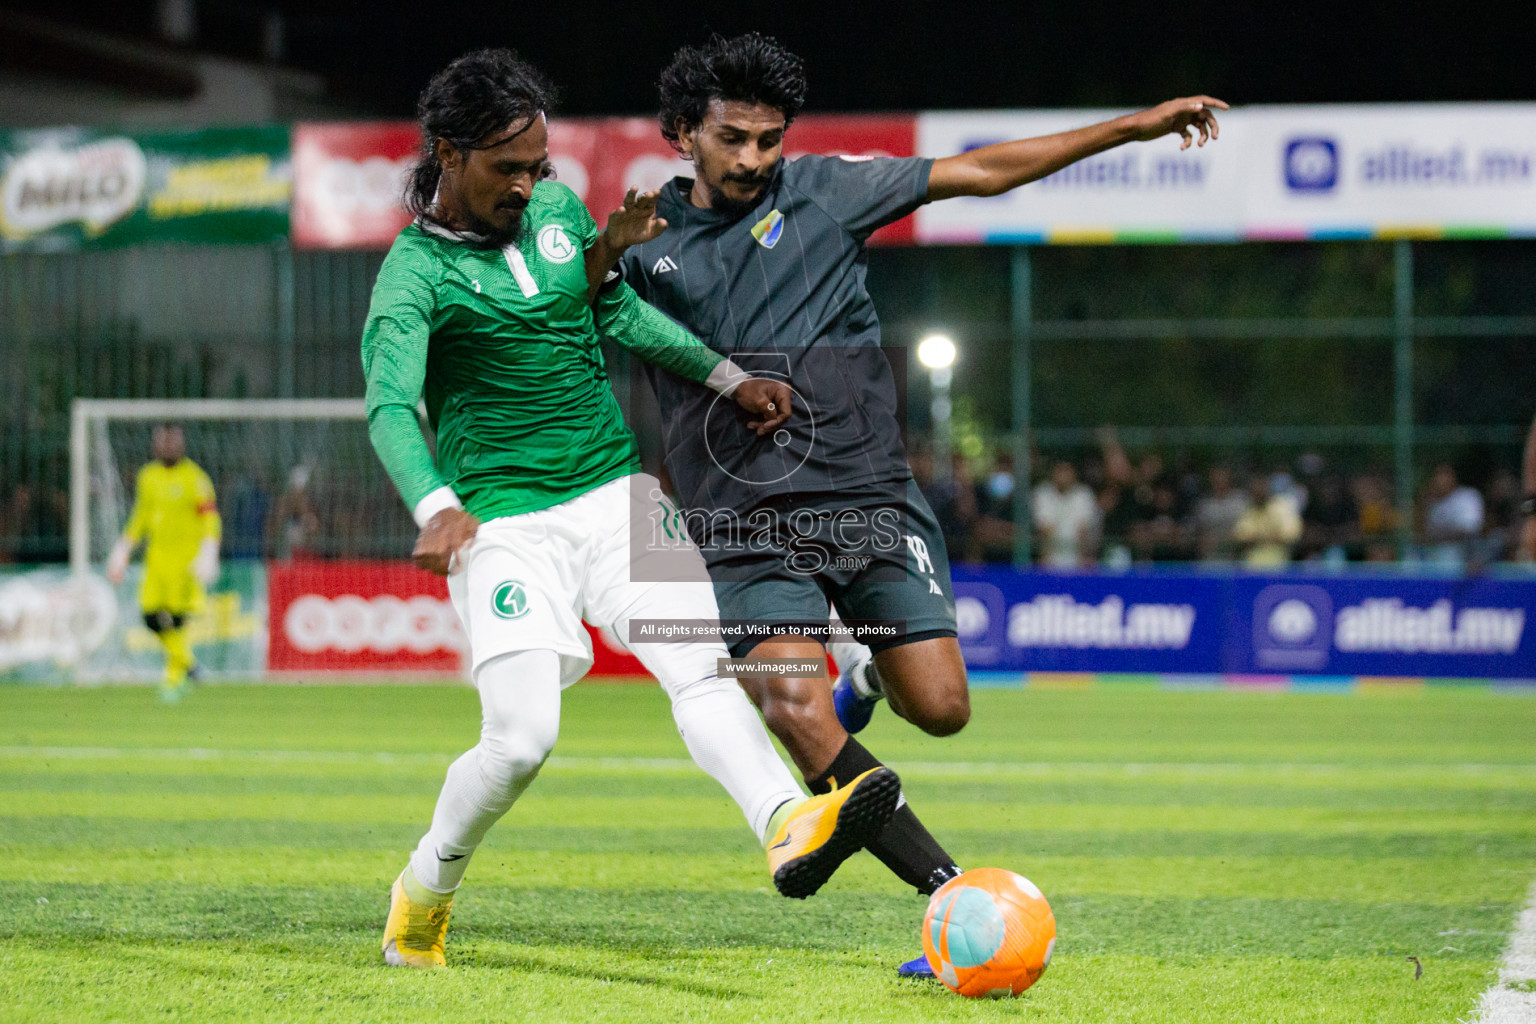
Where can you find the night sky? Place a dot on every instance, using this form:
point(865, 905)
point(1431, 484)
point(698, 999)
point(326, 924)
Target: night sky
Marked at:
point(898, 55)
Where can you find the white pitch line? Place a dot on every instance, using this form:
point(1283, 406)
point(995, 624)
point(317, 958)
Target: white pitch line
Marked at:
point(1513, 999)
point(673, 764)
point(214, 754)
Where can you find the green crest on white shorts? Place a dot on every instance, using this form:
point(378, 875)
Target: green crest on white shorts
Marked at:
point(510, 601)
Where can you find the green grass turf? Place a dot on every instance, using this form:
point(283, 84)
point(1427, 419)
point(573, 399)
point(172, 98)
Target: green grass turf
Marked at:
point(1210, 857)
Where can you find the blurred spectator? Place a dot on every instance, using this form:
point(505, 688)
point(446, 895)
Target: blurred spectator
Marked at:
point(992, 534)
point(1143, 511)
point(295, 524)
point(1217, 514)
point(1162, 535)
point(1527, 552)
point(1452, 518)
point(34, 526)
point(1378, 519)
point(1283, 485)
point(1118, 500)
point(15, 522)
point(1331, 521)
point(1117, 518)
point(953, 503)
point(1502, 531)
point(1066, 519)
point(1271, 524)
point(246, 505)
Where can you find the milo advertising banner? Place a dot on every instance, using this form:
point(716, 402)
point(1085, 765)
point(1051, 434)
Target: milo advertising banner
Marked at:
point(59, 628)
point(62, 188)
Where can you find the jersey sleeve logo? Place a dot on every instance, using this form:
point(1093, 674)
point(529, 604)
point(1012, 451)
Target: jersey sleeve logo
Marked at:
point(768, 230)
point(510, 601)
point(555, 244)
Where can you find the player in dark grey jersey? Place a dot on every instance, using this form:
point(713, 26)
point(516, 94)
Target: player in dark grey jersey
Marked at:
point(764, 260)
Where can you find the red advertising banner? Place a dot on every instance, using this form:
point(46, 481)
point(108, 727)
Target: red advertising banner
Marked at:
point(631, 152)
point(348, 179)
point(360, 616)
point(349, 176)
point(856, 135)
point(380, 617)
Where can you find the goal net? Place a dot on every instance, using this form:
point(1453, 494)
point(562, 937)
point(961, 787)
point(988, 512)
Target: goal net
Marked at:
point(294, 478)
point(302, 497)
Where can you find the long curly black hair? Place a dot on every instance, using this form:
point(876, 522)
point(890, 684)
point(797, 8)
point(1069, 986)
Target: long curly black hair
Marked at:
point(477, 94)
point(750, 68)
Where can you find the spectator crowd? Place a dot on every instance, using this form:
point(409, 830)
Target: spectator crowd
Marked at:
point(1106, 508)
point(1110, 509)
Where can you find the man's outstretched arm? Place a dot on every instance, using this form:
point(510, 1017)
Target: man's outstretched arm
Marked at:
point(993, 170)
point(638, 326)
point(395, 339)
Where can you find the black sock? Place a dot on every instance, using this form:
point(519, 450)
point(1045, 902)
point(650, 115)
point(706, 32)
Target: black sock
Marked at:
point(904, 846)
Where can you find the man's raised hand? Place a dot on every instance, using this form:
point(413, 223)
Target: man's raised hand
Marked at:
point(634, 223)
point(765, 398)
point(1184, 117)
point(442, 541)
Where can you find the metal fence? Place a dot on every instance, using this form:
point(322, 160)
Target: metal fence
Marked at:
point(1400, 352)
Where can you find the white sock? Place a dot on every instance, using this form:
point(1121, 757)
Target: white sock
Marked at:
point(720, 726)
point(854, 660)
point(520, 721)
point(728, 740)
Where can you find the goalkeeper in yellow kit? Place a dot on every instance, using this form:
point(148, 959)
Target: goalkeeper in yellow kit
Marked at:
point(175, 513)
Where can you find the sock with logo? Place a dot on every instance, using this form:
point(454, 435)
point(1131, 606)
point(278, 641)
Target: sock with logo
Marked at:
point(904, 846)
point(520, 720)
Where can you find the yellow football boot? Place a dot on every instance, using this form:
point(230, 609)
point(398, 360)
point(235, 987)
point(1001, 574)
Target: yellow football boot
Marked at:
point(415, 932)
point(826, 830)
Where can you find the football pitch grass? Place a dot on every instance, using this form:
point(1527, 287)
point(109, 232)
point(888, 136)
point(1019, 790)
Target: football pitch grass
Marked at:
point(1210, 857)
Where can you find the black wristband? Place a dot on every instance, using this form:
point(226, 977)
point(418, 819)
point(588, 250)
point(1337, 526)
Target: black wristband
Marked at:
point(1528, 505)
point(612, 279)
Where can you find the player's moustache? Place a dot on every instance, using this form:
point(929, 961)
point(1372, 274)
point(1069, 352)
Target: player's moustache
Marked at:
point(747, 177)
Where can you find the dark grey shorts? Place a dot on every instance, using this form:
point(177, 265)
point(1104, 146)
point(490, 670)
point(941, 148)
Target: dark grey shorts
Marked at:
point(874, 551)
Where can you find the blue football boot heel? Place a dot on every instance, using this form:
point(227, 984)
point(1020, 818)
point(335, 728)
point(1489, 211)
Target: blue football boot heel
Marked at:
point(853, 696)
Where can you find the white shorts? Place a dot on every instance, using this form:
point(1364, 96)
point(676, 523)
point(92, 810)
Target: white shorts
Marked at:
point(532, 578)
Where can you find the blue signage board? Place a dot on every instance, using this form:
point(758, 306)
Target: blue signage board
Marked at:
point(1472, 628)
point(1240, 624)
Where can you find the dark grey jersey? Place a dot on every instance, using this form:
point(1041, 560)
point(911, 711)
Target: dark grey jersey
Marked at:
point(781, 292)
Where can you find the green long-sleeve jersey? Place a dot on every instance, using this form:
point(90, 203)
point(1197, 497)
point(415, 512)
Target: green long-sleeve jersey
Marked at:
point(505, 348)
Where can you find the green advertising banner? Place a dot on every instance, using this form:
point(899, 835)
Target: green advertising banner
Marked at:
point(63, 188)
point(60, 628)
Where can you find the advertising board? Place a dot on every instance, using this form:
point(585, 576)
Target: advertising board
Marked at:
point(1239, 624)
point(346, 616)
point(349, 176)
point(63, 188)
point(1277, 172)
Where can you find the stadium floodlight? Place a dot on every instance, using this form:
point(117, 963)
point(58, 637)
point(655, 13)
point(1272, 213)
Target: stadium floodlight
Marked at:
point(936, 351)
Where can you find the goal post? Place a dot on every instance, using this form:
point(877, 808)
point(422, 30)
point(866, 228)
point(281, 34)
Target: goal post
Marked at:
point(272, 437)
point(315, 575)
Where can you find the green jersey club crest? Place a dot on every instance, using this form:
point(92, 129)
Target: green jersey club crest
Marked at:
point(510, 601)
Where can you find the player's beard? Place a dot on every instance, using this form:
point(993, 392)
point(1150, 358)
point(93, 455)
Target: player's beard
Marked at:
point(722, 203)
point(495, 237)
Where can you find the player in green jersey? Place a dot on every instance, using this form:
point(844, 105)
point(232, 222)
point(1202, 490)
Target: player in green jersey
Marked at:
point(535, 506)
